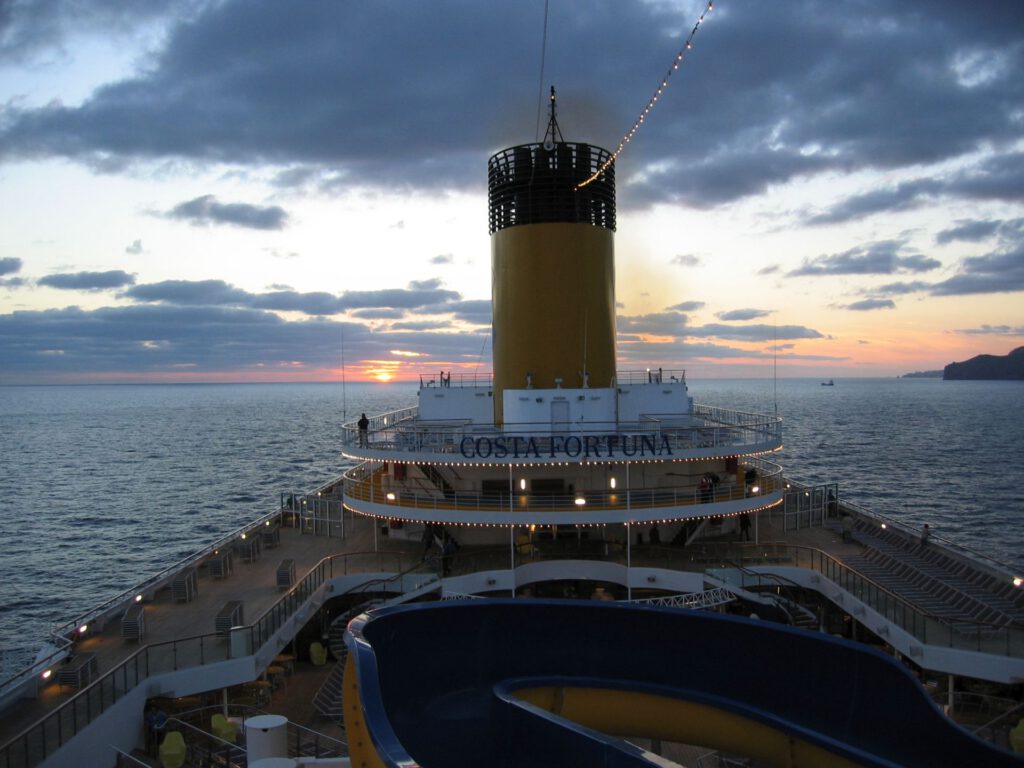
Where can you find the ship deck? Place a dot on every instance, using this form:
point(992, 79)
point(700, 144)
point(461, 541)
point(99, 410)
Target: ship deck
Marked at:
point(255, 585)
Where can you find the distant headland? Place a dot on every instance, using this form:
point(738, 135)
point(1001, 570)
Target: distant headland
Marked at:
point(1010, 366)
point(922, 375)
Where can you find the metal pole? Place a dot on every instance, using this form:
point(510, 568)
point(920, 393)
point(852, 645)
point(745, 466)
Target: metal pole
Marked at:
point(512, 556)
point(629, 561)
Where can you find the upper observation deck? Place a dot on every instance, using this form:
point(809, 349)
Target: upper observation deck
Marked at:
point(705, 432)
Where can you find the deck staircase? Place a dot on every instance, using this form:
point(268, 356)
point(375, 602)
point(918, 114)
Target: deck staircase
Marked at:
point(327, 700)
point(434, 476)
point(934, 579)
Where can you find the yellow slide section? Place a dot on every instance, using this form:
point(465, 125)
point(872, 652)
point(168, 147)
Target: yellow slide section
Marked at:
point(642, 715)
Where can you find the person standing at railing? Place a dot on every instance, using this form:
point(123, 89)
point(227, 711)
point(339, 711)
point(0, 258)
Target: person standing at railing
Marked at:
point(364, 427)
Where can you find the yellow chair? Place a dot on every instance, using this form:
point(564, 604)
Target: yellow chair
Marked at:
point(1017, 736)
point(317, 654)
point(172, 750)
point(223, 728)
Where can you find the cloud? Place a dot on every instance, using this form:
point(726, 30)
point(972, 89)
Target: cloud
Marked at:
point(879, 258)
point(135, 248)
point(655, 324)
point(998, 272)
point(770, 270)
point(898, 289)
point(798, 90)
point(685, 260)
point(742, 314)
point(420, 295)
point(970, 231)
point(753, 332)
point(9, 265)
point(442, 258)
point(899, 198)
point(867, 305)
point(999, 178)
point(993, 330)
point(205, 210)
point(88, 281)
point(190, 293)
point(688, 306)
point(161, 338)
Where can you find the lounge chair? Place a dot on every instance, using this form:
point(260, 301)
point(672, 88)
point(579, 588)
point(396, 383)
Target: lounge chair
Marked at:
point(317, 654)
point(223, 728)
point(172, 750)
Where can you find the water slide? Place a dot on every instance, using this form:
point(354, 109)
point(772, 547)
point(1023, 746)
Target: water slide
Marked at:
point(562, 682)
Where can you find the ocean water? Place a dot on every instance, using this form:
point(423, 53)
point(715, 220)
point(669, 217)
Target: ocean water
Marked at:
point(101, 486)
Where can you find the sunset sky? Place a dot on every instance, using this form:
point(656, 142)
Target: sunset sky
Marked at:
point(263, 191)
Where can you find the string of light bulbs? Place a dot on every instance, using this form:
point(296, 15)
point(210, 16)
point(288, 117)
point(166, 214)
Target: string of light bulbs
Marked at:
point(676, 62)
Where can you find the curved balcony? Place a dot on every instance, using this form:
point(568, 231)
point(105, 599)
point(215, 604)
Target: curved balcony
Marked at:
point(708, 432)
point(365, 493)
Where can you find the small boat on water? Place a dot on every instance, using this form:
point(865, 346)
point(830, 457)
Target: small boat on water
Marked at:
point(828, 383)
point(557, 563)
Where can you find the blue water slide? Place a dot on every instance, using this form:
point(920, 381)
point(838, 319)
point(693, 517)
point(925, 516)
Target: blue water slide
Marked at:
point(448, 684)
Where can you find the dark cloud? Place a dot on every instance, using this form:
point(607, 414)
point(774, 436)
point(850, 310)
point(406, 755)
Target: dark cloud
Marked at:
point(970, 231)
point(205, 210)
point(640, 353)
point(190, 293)
point(13, 282)
point(1000, 272)
point(688, 306)
point(9, 265)
point(88, 281)
point(753, 332)
point(867, 305)
point(999, 178)
point(379, 314)
point(993, 330)
point(770, 93)
point(420, 294)
point(33, 30)
point(742, 314)
point(770, 270)
point(898, 289)
point(900, 198)
point(162, 339)
point(880, 258)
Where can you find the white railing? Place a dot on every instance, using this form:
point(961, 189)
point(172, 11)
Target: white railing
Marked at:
point(656, 435)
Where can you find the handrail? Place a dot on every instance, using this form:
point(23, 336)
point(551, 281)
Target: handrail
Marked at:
point(63, 636)
point(361, 486)
point(69, 718)
point(128, 595)
point(705, 427)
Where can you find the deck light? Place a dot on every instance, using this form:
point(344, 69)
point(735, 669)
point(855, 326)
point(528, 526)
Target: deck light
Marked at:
point(1017, 581)
point(138, 598)
point(580, 501)
point(611, 482)
point(883, 526)
point(83, 629)
point(522, 484)
point(46, 674)
point(391, 496)
point(755, 489)
point(243, 535)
